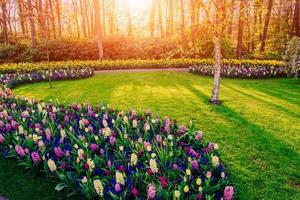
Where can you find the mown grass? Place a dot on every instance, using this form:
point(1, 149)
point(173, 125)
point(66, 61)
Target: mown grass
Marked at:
point(257, 127)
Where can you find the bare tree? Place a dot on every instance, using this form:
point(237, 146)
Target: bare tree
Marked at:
point(21, 14)
point(98, 28)
point(57, 6)
point(32, 24)
point(4, 21)
point(239, 47)
point(266, 26)
point(218, 29)
point(296, 28)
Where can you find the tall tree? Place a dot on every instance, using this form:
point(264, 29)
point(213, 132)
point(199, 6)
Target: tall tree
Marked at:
point(112, 17)
point(75, 10)
point(160, 18)
point(52, 18)
point(266, 26)
point(296, 28)
point(230, 24)
point(41, 18)
point(170, 18)
point(83, 20)
point(4, 21)
point(21, 14)
point(57, 6)
point(32, 24)
point(218, 28)
point(98, 28)
point(152, 18)
point(239, 47)
point(182, 11)
point(193, 19)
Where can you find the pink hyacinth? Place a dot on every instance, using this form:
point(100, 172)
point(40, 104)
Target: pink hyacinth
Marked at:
point(163, 181)
point(1, 124)
point(151, 191)
point(101, 151)
point(228, 192)
point(117, 187)
point(35, 157)
point(26, 150)
point(198, 136)
point(159, 139)
point(20, 151)
point(48, 134)
point(146, 144)
point(1, 139)
point(195, 164)
point(85, 122)
point(58, 152)
point(135, 192)
point(94, 147)
point(112, 140)
point(67, 120)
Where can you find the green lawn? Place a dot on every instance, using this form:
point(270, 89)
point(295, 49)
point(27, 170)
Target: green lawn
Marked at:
point(257, 127)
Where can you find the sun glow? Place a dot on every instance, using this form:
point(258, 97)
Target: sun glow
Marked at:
point(138, 7)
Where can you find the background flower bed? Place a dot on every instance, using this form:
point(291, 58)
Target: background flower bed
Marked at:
point(103, 152)
point(14, 79)
point(231, 68)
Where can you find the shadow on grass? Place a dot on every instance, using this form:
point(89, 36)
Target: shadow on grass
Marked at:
point(278, 107)
point(264, 147)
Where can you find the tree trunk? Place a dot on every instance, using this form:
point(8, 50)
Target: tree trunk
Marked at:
point(217, 73)
point(41, 19)
point(104, 18)
point(21, 14)
point(87, 18)
point(57, 6)
point(152, 18)
point(255, 8)
point(52, 18)
point(170, 19)
point(129, 26)
point(32, 25)
point(112, 17)
point(83, 20)
point(182, 20)
point(296, 19)
point(266, 26)
point(98, 28)
point(160, 19)
point(218, 54)
point(230, 26)
point(193, 19)
point(239, 47)
point(4, 22)
point(75, 8)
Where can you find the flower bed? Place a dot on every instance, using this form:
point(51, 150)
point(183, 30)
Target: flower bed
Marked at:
point(102, 153)
point(14, 79)
point(245, 69)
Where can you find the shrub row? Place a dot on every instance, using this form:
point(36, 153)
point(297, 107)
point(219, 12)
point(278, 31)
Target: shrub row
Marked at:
point(102, 153)
point(12, 80)
point(247, 69)
point(136, 64)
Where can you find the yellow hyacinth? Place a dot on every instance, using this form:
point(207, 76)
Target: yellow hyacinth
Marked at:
point(186, 189)
point(98, 187)
point(51, 165)
point(120, 178)
point(153, 166)
point(133, 159)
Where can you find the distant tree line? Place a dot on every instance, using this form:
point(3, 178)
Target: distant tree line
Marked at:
point(248, 26)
